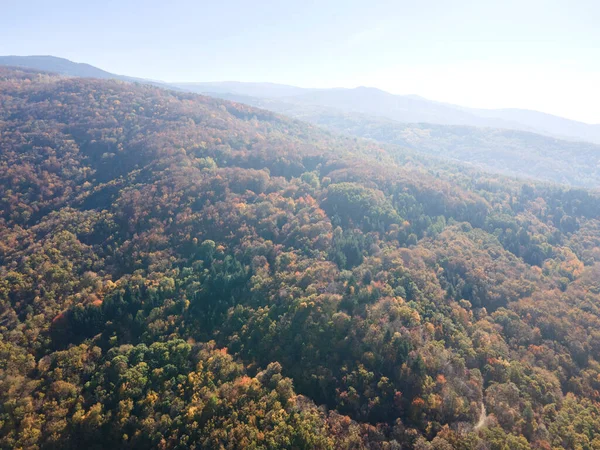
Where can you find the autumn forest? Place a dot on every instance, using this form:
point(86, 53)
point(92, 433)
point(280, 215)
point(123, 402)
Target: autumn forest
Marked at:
point(183, 272)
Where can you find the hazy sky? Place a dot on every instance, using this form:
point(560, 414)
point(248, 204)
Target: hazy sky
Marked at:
point(535, 54)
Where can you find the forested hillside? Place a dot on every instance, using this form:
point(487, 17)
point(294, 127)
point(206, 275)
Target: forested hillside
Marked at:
point(510, 152)
point(406, 108)
point(62, 66)
point(178, 271)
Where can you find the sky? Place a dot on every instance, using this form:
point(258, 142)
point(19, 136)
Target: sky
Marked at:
point(534, 54)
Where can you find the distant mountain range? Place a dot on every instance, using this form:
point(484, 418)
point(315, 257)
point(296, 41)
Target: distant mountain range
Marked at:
point(181, 271)
point(510, 152)
point(510, 141)
point(59, 65)
point(408, 108)
point(266, 90)
point(364, 100)
point(501, 150)
point(69, 68)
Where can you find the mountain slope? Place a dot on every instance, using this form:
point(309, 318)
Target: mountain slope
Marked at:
point(547, 123)
point(408, 108)
point(379, 103)
point(178, 271)
point(56, 65)
point(371, 101)
point(269, 90)
point(510, 152)
point(69, 68)
point(413, 109)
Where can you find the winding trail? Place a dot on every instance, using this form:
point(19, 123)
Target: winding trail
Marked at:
point(482, 418)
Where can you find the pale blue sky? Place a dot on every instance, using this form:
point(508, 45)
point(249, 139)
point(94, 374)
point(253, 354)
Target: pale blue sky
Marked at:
point(535, 54)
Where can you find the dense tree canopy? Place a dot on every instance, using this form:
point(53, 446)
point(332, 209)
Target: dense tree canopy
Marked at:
point(178, 271)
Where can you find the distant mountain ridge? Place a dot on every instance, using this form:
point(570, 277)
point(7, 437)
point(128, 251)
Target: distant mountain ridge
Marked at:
point(270, 90)
point(499, 150)
point(364, 100)
point(402, 108)
point(408, 108)
point(59, 65)
point(545, 123)
point(512, 141)
point(69, 68)
point(180, 271)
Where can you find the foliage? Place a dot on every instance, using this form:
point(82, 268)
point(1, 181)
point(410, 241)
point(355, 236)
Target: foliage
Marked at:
point(178, 271)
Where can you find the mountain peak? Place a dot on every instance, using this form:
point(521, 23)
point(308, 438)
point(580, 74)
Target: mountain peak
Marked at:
point(56, 64)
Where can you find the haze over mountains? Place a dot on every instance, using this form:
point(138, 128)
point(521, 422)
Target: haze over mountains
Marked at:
point(291, 225)
point(409, 108)
point(509, 141)
point(69, 68)
point(179, 271)
point(267, 90)
point(58, 65)
point(366, 100)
